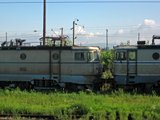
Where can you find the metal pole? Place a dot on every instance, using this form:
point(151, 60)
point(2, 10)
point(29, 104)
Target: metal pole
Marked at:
point(73, 31)
point(106, 39)
point(44, 22)
point(74, 23)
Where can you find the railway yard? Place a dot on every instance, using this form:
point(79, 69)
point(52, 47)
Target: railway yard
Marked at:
point(58, 78)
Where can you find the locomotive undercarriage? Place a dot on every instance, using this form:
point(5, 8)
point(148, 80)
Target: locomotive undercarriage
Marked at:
point(54, 85)
point(141, 87)
point(43, 84)
point(14, 84)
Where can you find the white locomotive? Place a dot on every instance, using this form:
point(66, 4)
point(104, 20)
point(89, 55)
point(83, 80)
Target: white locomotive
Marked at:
point(138, 65)
point(44, 67)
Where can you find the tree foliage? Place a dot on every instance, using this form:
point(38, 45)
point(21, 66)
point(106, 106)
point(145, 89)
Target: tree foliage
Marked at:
point(107, 61)
point(107, 58)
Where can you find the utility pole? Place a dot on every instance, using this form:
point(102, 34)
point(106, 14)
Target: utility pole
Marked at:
point(44, 22)
point(106, 39)
point(138, 36)
point(73, 32)
point(6, 36)
point(61, 36)
point(74, 23)
point(61, 32)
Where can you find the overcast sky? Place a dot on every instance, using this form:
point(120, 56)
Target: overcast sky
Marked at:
point(124, 20)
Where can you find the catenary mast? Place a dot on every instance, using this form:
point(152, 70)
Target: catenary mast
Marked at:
point(44, 22)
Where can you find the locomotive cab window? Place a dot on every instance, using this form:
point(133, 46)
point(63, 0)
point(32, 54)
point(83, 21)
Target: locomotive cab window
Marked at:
point(90, 56)
point(121, 56)
point(96, 56)
point(79, 56)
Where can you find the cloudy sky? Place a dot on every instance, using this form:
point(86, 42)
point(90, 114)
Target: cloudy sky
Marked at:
point(124, 20)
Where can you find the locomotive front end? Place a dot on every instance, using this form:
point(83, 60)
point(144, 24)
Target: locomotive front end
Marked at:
point(93, 58)
point(125, 65)
point(89, 68)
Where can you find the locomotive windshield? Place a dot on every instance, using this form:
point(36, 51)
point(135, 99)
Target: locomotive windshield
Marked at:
point(121, 55)
point(93, 56)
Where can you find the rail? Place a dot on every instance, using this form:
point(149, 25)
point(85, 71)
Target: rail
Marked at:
point(28, 116)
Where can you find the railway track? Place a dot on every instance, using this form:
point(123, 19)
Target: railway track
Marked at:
point(26, 117)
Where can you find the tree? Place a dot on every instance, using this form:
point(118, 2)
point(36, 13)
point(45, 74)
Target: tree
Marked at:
point(107, 61)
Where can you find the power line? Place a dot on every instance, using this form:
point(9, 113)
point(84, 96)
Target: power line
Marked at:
point(87, 2)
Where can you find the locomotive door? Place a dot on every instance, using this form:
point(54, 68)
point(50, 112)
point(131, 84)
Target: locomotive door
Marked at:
point(131, 66)
point(56, 65)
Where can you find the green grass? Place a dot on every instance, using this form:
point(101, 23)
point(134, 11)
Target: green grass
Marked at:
point(65, 105)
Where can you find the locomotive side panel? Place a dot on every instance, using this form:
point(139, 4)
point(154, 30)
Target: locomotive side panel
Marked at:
point(24, 61)
point(23, 65)
point(147, 65)
point(148, 68)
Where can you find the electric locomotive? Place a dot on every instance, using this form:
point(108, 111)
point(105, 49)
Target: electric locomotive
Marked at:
point(46, 67)
point(137, 65)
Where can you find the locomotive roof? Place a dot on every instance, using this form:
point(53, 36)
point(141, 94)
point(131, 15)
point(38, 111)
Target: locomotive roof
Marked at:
point(48, 48)
point(137, 47)
point(125, 47)
point(149, 47)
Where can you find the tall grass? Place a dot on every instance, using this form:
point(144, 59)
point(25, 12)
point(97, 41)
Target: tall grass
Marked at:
point(67, 105)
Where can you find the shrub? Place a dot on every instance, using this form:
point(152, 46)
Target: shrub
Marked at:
point(77, 110)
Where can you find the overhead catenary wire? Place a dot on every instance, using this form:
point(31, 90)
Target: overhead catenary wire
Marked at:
point(77, 2)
